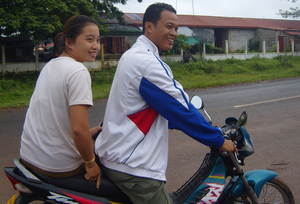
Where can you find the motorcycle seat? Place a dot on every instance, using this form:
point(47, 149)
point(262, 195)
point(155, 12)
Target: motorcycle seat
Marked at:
point(107, 189)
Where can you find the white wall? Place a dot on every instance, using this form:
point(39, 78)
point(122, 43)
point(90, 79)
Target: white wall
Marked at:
point(244, 56)
point(30, 66)
point(238, 37)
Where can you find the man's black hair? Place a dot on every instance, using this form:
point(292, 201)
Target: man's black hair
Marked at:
point(153, 12)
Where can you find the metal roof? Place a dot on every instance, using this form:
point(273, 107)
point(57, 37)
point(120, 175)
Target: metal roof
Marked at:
point(116, 29)
point(185, 31)
point(222, 22)
point(293, 32)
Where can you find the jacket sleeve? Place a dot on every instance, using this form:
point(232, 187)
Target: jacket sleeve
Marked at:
point(184, 117)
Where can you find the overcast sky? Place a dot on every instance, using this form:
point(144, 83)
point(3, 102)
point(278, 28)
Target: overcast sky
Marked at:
point(231, 8)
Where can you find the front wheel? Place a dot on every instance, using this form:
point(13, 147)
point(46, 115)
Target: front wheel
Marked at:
point(274, 191)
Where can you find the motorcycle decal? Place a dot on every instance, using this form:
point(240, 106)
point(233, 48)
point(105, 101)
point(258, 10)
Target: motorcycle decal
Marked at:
point(80, 199)
point(61, 198)
point(217, 176)
point(12, 199)
point(215, 190)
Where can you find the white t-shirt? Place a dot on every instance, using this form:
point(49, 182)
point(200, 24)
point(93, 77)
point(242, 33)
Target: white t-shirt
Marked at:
point(46, 140)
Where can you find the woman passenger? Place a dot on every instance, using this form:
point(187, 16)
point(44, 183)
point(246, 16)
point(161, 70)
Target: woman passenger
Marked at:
point(56, 138)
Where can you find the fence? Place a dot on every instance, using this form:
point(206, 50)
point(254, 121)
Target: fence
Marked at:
point(100, 64)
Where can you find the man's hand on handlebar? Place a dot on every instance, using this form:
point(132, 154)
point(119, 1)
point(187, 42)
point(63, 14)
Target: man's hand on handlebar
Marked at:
point(228, 146)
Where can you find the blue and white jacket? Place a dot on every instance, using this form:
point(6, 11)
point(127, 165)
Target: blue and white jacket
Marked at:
point(144, 100)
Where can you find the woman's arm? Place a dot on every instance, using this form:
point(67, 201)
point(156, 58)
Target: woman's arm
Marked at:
point(83, 141)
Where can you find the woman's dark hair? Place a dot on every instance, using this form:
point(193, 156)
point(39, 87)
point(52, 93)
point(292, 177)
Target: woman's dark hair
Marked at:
point(153, 12)
point(73, 27)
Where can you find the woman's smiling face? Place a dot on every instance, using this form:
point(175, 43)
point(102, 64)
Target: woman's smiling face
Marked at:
point(86, 45)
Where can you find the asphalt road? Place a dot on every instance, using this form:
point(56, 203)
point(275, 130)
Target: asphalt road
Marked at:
point(273, 123)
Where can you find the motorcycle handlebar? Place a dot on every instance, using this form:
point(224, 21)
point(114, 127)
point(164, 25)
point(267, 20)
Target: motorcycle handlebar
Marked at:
point(224, 153)
point(229, 136)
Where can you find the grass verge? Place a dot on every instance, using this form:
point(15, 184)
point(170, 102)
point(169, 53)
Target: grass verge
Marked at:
point(17, 88)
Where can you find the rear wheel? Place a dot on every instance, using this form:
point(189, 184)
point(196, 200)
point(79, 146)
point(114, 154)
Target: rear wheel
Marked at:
point(274, 191)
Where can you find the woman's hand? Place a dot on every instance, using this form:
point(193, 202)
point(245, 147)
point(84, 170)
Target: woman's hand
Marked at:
point(95, 130)
point(82, 139)
point(93, 173)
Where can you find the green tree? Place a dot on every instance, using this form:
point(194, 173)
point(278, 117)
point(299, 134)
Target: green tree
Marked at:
point(42, 19)
point(108, 7)
point(292, 13)
point(180, 42)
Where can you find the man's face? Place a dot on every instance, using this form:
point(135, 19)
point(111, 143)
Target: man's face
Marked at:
point(165, 31)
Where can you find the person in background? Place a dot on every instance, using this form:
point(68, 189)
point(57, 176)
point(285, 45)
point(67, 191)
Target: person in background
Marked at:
point(144, 101)
point(56, 139)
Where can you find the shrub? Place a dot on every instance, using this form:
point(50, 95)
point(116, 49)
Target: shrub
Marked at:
point(210, 49)
point(253, 45)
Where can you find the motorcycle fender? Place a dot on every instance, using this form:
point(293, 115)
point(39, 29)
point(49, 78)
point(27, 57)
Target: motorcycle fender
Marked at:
point(255, 178)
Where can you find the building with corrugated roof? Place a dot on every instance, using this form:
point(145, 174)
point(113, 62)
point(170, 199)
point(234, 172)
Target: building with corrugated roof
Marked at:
point(237, 31)
point(219, 31)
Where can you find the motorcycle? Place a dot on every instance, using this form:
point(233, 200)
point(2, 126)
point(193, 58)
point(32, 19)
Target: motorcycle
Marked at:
point(207, 185)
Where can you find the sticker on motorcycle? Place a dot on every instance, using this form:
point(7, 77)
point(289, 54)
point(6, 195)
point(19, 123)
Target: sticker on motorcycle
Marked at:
point(61, 198)
point(12, 199)
point(215, 190)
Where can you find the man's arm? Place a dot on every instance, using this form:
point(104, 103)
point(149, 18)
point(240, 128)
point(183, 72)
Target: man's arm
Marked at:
point(186, 118)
